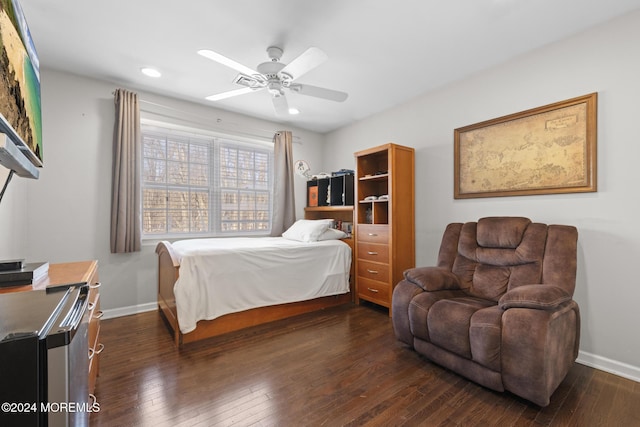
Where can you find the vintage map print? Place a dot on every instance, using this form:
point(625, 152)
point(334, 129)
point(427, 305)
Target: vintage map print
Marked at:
point(546, 150)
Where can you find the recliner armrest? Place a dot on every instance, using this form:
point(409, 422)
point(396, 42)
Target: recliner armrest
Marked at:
point(432, 278)
point(542, 297)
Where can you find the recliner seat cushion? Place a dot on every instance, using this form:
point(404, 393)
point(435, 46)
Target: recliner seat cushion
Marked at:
point(485, 337)
point(449, 321)
point(419, 310)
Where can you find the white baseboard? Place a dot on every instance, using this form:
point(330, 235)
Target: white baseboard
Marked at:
point(132, 309)
point(608, 365)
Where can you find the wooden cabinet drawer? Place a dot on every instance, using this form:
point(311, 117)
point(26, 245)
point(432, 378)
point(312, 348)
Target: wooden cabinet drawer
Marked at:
point(94, 361)
point(95, 347)
point(373, 270)
point(94, 321)
point(93, 375)
point(373, 233)
point(373, 252)
point(374, 291)
point(94, 291)
point(94, 366)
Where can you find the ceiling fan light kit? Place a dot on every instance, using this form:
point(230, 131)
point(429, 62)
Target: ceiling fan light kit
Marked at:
point(275, 77)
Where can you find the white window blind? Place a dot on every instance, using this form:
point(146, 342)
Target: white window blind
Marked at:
point(195, 184)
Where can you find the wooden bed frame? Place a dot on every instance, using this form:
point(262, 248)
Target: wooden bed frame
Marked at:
point(168, 266)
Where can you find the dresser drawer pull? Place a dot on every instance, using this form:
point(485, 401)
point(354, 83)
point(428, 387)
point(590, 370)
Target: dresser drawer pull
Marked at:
point(372, 271)
point(98, 315)
point(93, 352)
point(95, 285)
point(372, 253)
point(375, 291)
point(90, 306)
point(373, 234)
point(100, 348)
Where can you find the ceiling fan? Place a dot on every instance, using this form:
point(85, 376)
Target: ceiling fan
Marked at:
point(275, 77)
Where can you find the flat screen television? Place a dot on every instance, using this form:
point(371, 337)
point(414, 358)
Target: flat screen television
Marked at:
point(20, 105)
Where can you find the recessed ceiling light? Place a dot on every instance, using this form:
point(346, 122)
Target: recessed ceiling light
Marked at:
point(151, 72)
point(294, 111)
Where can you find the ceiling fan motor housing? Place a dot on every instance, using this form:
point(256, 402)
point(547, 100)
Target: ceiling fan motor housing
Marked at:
point(275, 87)
point(270, 69)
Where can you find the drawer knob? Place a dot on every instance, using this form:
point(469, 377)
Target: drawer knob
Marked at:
point(95, 285)
point(372, 253)
point(93, 352)
point(98, 315)
point(100, 348)
point(372, 271)
point(375, 291)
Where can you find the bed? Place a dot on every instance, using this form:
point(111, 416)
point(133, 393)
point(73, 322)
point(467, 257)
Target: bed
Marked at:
point(209, 287)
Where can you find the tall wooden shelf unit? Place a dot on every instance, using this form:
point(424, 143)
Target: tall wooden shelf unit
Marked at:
point(385, 228)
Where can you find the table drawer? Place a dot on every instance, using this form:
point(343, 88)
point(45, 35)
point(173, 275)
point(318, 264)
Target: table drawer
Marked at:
point(373, 252)
point(94, 320)
point(374, 291)
point(93, 374)
point(373, 233)
point(373, 270)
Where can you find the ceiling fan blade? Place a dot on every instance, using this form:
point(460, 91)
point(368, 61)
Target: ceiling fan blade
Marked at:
point(281, 105)
point(319, 92)
point(214, 56)
point(307, 61)
point(229, 94)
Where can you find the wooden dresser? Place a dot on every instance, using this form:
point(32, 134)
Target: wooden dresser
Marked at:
point(385, 225)
point(72, 273)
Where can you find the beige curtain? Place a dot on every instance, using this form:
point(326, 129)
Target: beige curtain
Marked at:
point(284, 207)
point(125, 184)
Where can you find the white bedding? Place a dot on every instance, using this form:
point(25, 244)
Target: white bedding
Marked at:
point(227, 275)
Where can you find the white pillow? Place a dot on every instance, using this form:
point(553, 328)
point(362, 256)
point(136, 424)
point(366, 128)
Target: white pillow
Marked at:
point(307, 230)
point(332, 234)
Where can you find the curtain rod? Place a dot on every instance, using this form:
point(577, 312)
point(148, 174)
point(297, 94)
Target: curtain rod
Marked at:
point(207, 120)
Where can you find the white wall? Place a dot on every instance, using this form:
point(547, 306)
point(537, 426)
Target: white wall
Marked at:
point(603, 60)
point(68, 208)
point(13, 217)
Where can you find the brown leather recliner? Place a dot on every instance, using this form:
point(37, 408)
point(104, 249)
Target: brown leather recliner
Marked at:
point(498, 306)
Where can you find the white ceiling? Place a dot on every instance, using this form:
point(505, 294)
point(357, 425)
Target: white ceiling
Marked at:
point(381, 52)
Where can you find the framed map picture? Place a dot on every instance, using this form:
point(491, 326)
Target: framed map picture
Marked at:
point(546, 150)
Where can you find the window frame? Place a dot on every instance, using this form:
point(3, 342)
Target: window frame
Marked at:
point(216, 141)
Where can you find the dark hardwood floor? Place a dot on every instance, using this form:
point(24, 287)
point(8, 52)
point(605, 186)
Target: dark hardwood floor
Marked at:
point(341, 366)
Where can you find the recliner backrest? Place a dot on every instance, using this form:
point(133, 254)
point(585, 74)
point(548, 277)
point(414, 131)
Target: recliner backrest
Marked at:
point(496, 254)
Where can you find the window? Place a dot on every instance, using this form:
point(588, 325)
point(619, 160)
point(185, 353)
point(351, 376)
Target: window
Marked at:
point(195, 184)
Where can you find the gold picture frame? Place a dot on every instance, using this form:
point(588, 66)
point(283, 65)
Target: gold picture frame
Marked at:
point(545, 150)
